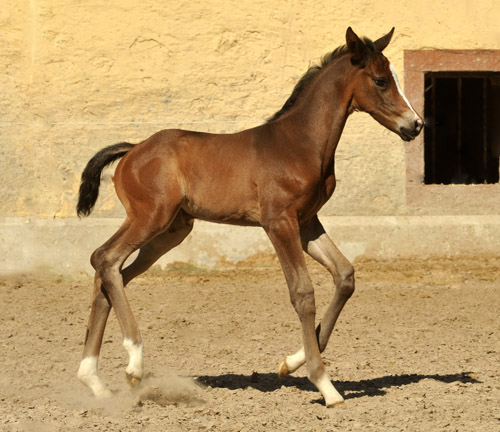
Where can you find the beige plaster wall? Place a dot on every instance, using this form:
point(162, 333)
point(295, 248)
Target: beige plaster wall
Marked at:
point(79, 75)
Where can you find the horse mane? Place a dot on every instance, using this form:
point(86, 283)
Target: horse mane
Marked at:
point(311, 73)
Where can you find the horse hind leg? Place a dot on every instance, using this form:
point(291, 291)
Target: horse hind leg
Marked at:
point(102, 302)
point(87, 373)
point(148, 255)
point(180, 228)
point(109, 291)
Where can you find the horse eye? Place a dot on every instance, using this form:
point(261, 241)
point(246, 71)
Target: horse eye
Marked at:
point(380, 82)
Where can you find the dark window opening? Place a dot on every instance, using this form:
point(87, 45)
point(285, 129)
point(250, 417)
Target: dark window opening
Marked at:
point(462, 127)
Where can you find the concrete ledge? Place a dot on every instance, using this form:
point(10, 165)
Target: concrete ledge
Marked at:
point(64, 245)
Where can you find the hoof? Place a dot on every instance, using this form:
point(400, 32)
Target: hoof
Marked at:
point(340, 404)
point(132, 381)
point(283, 370)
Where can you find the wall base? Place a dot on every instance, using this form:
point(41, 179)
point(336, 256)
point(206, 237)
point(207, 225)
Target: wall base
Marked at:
point(64, 246)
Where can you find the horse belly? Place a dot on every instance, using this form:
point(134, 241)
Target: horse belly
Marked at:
point(223, 203)
point(217, 174)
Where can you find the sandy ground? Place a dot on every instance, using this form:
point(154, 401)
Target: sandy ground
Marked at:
point(416, 348)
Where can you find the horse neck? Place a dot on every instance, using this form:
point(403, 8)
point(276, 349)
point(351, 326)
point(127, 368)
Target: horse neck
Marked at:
point(321, 113)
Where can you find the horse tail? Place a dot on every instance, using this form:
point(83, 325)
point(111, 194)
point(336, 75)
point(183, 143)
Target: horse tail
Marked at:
point(91, 175)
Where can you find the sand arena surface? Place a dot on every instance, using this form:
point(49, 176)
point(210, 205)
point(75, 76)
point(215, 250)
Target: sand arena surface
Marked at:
point(416, 348)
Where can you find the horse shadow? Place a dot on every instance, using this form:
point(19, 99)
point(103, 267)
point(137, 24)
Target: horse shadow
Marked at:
point(269, 382)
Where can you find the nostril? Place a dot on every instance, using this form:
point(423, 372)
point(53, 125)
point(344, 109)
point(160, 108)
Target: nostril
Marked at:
point(419, 124)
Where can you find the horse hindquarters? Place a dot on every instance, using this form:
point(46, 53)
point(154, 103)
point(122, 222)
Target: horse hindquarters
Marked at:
point(153, 225)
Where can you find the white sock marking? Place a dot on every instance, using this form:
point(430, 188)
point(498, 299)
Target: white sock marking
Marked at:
point(136, 363)
point(87, 374)
point(294, 361)
point(329, 392)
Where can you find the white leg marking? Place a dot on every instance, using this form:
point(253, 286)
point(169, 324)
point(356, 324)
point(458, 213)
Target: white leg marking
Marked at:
point(87, 374)
point(396, 80)
point(135, 366)
point(329, 392)
point(324, 385)
point(294, 361)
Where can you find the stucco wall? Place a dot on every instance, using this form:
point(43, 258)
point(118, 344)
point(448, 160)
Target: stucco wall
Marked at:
point(77, 76)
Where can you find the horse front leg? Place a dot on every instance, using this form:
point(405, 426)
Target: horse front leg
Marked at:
point(285, 236)
point(319, 246)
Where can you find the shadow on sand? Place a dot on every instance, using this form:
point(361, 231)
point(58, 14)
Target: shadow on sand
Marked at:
point(268, 382)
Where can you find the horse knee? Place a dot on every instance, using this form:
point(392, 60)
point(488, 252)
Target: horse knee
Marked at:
point(303, 302)
point(345, 284)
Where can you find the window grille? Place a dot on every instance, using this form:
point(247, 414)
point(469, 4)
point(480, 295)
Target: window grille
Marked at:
point(462, 132)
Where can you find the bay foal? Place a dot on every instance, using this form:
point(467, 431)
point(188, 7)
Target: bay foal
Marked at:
point(276, 176)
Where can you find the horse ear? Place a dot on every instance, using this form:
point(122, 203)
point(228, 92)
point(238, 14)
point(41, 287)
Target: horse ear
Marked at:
point(382, 43)
point(356, 47)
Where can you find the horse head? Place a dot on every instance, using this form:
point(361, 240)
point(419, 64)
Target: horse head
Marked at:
point(376, 89)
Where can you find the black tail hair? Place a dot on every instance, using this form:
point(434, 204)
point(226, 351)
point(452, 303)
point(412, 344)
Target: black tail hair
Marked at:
point(91, 175)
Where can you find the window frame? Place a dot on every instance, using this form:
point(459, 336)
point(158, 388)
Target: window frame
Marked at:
point(435, 198)
point(473, 128)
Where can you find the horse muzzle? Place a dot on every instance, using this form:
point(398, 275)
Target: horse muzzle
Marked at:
point(410, 133)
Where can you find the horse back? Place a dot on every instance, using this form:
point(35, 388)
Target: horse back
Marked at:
point(213, 174)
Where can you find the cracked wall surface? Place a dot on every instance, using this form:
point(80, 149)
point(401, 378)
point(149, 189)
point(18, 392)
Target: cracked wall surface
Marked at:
point(78, 76)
